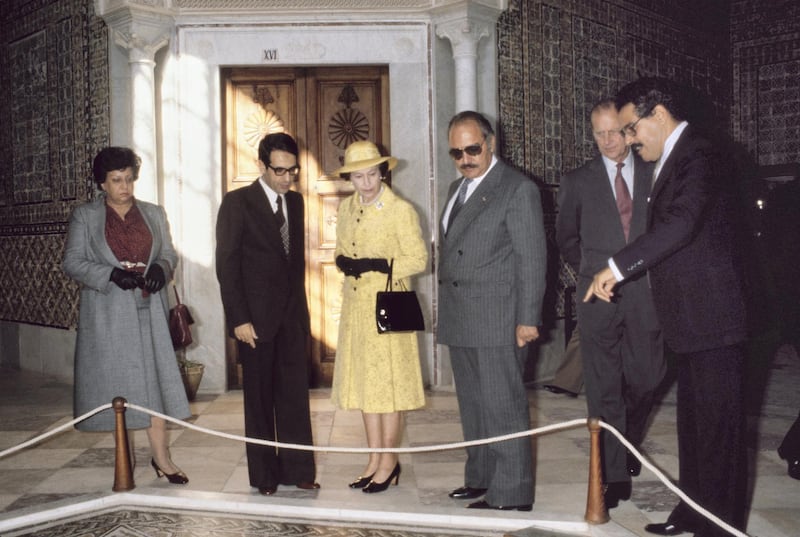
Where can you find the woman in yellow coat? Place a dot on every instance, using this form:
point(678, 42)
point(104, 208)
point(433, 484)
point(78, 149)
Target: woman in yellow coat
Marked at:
point(378, 374)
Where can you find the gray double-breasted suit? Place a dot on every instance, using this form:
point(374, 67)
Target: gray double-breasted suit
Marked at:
point(621, 343)
point(123, 346)
point(492, 278)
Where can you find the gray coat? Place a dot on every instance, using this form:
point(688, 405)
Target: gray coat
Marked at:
point(492, 262)
point(123, 345)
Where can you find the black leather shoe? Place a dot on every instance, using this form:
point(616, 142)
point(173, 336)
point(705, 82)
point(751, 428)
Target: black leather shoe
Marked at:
point(559, 390)
point(483, 505)
point(634, 464)
point(467, 493)
point(668, 528)
point(308, 485)
point(616, 491)
point(794, 469)
point(267, 491)
point(360, 482)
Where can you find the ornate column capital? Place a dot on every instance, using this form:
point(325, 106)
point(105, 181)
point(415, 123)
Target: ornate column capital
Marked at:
point(464, 24)
point(141, 27)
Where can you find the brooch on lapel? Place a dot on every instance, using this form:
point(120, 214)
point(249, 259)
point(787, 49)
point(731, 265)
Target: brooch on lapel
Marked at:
point(379, 205)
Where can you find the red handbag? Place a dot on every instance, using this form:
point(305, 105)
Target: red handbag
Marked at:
point(180, 321)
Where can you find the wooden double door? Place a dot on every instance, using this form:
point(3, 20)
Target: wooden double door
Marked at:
point(324, 109)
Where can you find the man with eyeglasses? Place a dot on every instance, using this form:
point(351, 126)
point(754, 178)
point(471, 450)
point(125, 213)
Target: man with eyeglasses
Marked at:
point(602, 207)
point(689, 252)
point(492, 256)
point(261, 271)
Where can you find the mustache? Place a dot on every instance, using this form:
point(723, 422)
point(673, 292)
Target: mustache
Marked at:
point(467, 166)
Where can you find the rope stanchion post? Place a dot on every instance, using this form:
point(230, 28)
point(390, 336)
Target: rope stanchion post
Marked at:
point(596, 512)
point(123, 473)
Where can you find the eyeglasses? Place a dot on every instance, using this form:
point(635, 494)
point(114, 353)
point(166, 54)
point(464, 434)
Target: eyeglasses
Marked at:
point(472, 150)
point(630, 128)
point(293, 171)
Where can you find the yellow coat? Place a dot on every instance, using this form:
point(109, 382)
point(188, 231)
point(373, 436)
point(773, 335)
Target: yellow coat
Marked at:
point(374, 372)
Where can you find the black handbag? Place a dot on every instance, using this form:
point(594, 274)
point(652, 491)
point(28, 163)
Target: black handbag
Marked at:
point(179, 321)
point(397, 311)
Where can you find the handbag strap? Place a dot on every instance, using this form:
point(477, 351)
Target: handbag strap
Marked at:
point(177, 298)
point(389, 276)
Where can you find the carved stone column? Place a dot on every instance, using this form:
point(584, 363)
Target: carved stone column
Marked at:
point(465, 25)
point(140, 30)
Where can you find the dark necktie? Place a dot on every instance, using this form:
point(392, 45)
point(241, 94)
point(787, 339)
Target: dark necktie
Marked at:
point(460, 200)
point(624, 203)
point(283, 225)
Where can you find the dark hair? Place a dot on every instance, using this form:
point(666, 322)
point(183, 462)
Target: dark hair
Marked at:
point(114, 158)
point(470, 115)
point(383, 168)
point(277, 141)
point(647, 92)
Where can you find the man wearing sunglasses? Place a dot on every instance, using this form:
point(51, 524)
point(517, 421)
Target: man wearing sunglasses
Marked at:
point(690, 254)
point(492, 256)
point(602, 206)
point(261, 271)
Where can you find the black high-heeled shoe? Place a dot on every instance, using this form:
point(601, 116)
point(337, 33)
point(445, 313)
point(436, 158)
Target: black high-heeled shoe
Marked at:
point(178, 478)
point(372, 486)
point(361, 482)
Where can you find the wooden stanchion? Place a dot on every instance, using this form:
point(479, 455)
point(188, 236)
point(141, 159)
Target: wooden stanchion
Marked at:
point(123, 474)
point(596, 512)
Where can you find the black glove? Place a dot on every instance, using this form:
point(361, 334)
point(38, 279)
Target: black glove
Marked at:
point(346, 265)
point(373, 264)
point(126, 279)
point(154, 280)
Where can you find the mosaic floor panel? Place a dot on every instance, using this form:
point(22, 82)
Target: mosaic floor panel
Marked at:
point(138, 523)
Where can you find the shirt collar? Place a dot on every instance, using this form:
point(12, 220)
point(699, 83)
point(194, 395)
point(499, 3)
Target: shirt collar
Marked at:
point(271, 194)
point(669, 144)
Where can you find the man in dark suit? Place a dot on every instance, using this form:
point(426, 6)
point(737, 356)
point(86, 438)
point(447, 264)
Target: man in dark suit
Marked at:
point(603, 206)
point(690, 253)
point(261, 269)
point(491, 283)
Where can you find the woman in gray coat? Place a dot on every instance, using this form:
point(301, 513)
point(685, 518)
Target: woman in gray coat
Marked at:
point(120, 251)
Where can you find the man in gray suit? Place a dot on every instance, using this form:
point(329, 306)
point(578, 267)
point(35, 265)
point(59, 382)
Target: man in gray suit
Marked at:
point(491, 282)
point(603, 206)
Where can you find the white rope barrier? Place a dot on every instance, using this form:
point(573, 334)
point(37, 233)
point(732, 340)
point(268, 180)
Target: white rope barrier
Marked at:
point(54, 432)
point(670, 485)
point(419, 449)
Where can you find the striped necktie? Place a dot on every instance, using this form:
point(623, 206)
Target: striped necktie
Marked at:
point(283, 225)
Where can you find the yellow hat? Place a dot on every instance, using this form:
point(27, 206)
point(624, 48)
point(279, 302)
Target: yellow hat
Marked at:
point(362, 155)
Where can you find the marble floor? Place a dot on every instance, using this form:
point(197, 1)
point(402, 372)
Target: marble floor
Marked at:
point(75, 469)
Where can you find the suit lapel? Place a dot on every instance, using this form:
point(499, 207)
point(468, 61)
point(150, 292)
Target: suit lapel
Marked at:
point(477, 200)
point(602, 188)
point(261, 209)
point(667, 168)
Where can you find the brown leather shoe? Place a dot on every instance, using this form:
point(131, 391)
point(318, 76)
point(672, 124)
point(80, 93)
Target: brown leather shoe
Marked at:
point(308, 485)
point(267, 491)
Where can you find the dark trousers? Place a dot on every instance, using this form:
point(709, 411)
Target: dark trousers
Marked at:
point(276, 407)
point(623, 365)
point(711, 438)
point(790, 447)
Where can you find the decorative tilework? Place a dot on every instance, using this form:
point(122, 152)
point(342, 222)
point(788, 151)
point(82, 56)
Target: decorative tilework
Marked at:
point(54, 54)
point(557, 59)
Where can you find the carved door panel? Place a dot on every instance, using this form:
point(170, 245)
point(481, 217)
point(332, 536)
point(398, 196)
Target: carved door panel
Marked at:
point(324, 109)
